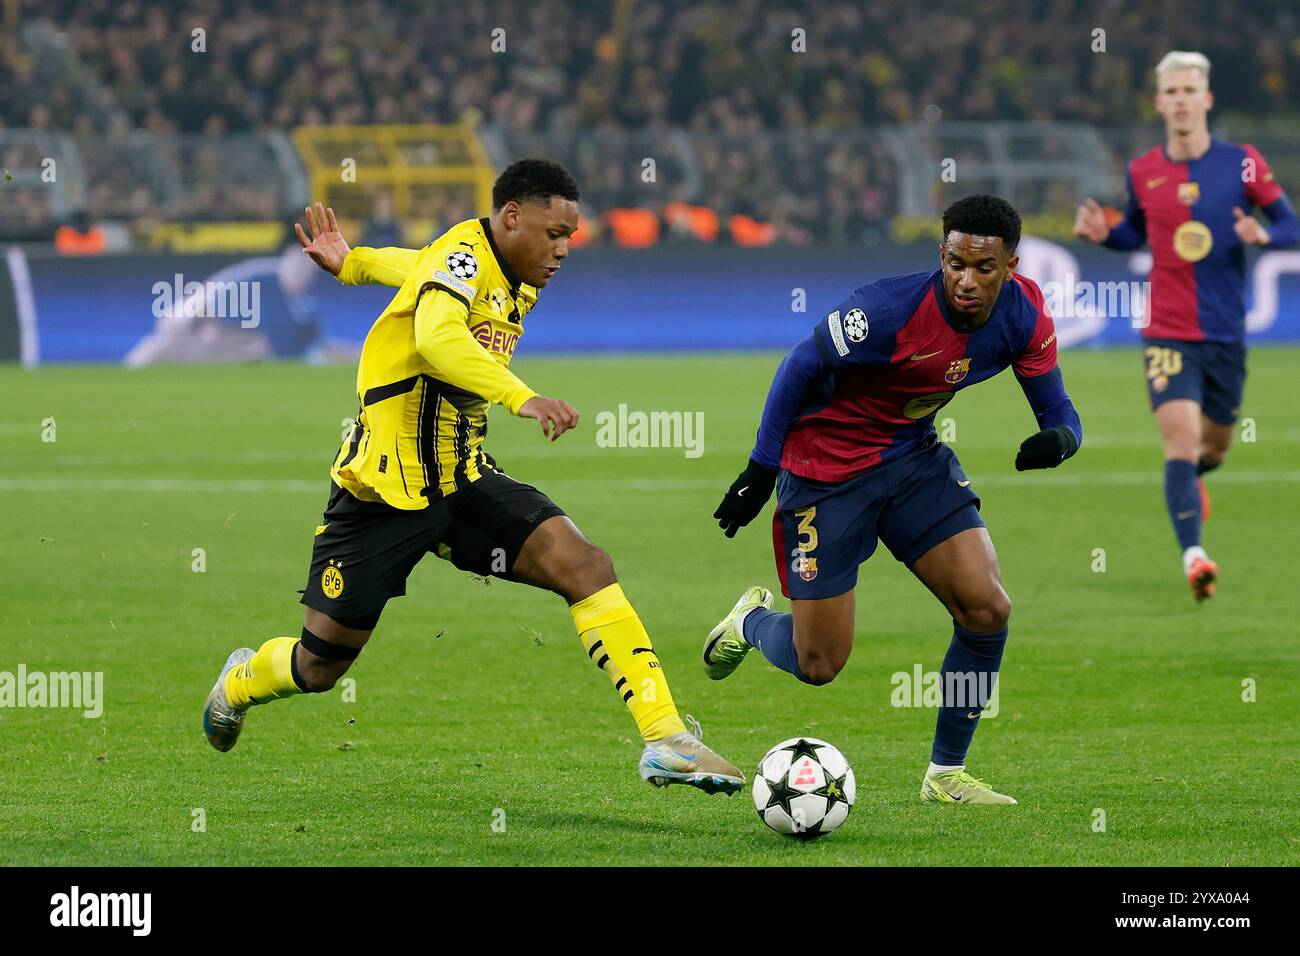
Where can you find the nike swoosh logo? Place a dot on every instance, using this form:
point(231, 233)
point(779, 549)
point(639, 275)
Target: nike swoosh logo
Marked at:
point(943, 794)
point(963, 484)
point(1184, 515)
point(971, 716)
point(642, 650)
point(918, 358)
point(741, 492)
point(1153, 183)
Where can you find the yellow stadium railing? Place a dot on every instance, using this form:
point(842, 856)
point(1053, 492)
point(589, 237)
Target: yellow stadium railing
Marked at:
point(421, 168)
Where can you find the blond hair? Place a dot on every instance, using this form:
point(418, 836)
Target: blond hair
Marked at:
point(1184, 60)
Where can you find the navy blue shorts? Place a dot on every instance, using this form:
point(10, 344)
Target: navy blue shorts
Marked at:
point(822, 531)
point(1212, 374)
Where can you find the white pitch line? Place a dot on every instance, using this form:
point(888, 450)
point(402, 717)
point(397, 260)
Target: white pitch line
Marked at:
point(541, 451)
point(321, 487)
point(189, 485)
point(100, 461)
point(1029, 479)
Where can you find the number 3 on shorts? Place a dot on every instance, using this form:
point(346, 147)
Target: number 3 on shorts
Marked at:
point(805, 516)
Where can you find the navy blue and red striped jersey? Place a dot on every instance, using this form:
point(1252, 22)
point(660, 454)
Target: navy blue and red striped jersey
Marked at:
point(1184, 211)
point(894, 357)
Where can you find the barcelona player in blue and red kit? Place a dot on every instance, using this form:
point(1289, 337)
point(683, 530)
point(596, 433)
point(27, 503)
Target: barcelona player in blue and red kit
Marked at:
point(1189, 200)
point(847, 439)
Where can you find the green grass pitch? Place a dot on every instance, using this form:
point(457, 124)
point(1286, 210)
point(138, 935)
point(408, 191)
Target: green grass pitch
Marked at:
point(475, 704)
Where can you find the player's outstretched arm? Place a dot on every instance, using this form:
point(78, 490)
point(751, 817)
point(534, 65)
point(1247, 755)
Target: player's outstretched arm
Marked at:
point(745, 498)
point(1285, 230)
point(1264, 191)
point(750, 491)
point(360, 266)
point(443, 338)
point(554, 415)
point(1060, 430)
point(1090, 221)
point(1127, 232)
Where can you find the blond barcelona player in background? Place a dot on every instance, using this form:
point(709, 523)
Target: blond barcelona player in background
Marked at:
point(1190, 200)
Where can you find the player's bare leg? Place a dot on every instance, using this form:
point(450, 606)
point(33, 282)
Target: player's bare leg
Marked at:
point(1181, 429)
point(283, 666)
point(322, 673)
point(558, 557)
point(1179, 421)
point(962, 572)
point(823, 635)
point(1216, 439)
point(812, 642)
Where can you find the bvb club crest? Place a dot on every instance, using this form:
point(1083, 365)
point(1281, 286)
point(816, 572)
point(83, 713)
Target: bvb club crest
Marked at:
point(331, 580)
point(957, 371)
point(1189, 193)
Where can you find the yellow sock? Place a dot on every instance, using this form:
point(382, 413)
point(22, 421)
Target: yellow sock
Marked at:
point(618, 643)
point(266, 676)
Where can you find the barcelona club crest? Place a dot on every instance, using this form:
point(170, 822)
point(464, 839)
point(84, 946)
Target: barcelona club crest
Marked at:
point(957, 371)
point(805, 566)
point(1188, 193)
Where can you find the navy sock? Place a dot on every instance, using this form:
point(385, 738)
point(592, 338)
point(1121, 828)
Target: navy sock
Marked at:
point(970, 672)
point(1183, 499)
point(772, 632)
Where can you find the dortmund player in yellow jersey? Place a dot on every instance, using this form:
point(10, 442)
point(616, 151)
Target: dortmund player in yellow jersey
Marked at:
point(413, 477)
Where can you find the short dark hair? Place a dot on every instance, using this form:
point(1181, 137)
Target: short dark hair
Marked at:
point(984, 215)
point(533, 179)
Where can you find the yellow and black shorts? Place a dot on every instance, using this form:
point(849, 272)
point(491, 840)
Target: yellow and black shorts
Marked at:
point(364, 550)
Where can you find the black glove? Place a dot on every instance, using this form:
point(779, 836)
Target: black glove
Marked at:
point(745, 498)
point(1047, 449)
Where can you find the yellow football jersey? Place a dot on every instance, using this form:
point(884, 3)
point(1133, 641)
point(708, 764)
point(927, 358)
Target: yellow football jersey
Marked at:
point(432, 363)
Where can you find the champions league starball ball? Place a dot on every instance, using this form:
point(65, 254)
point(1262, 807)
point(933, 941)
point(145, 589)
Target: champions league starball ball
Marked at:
point(804, 788)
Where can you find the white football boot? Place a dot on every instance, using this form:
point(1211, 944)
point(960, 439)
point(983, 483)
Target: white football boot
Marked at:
point(221, 721)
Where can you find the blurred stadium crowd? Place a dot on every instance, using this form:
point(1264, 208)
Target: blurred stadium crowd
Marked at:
point(740, 121)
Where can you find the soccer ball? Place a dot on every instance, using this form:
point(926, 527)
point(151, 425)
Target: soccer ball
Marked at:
point(804, 788)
